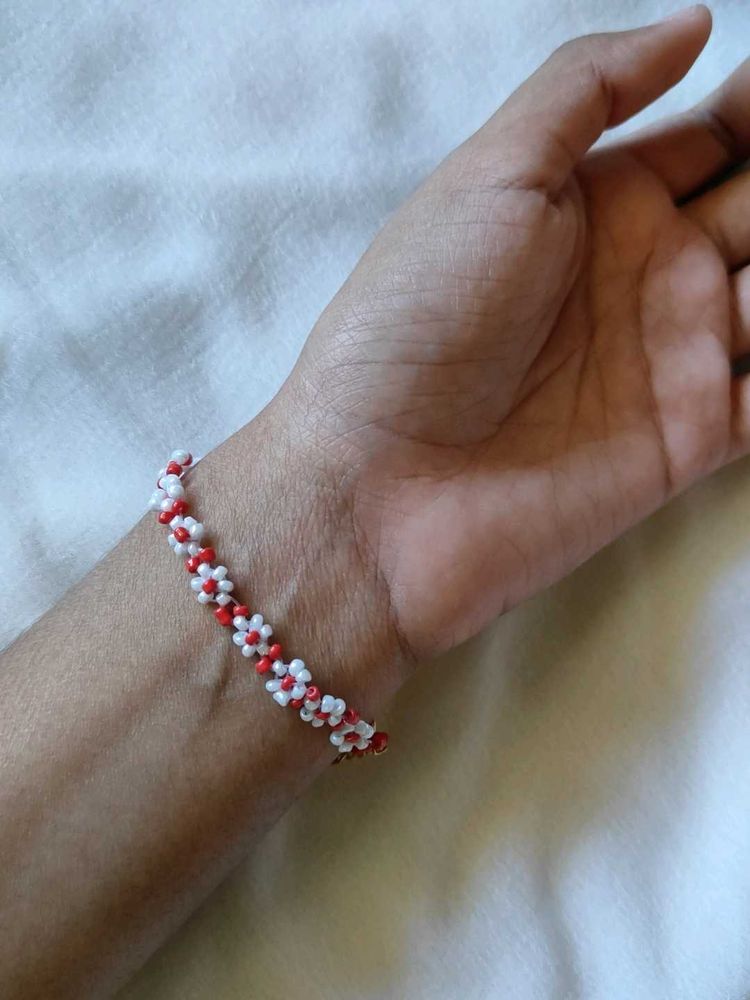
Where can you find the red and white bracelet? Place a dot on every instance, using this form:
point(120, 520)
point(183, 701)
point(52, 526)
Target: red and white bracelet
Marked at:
point(290, 684)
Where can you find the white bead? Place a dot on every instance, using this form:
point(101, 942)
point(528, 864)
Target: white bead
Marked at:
point(298, 691)
point(204, 570)
point(263, 648)
point(219, 572)
point(157, 497)
point(196, 583)
point(238, 638)
point(266, 632)
point(282, 698)
point(196, 531)
point(317, 723)
point(176, 490)
point(248, 650)
point(295, 667)
point(273, 685)
point(240, 622)
point(312, 706)
point(189, 521)
point(339, 706)
point(171, 540)
point(304, 676)
point(193, 548)
point(204, 598)
point(327, 703)
point(337, 739)
point(223, 599)
point(345, 747)
point(279, 668)
point(306, 715)
point(179, 456)
point(170, 480)
point(333, 720)
point(256, 623)
point(226, 586)
point(180, 549)
point(364, 729)
point(176, 522)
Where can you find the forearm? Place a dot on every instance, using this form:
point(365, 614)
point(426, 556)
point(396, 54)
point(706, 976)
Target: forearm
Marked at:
point(141, 756)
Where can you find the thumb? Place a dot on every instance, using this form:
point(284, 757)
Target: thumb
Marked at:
point(588, 85)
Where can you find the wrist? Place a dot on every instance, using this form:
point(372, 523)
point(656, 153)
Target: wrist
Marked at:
point(283, 523)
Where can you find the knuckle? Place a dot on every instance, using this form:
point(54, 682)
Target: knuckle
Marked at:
point(582, 48)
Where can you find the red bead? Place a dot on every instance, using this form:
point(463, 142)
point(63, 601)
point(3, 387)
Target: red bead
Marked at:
point(350, 717)
point(339, 725)
point(351, 737)
point(192, 564)
point(263, 665)
point(321, 715)
point(165, 516)
point(313, 693)
point(275, 651)
point(181, 534)
point(206, 555)
point(174, 469)
point(252, 638)
point(223, 616)
point(297, 702)
point(180, 507)
point(210, 586)
point(241, 610)
point(288, 683)
point(379, 742)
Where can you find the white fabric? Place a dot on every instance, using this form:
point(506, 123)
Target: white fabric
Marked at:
point(183, 186)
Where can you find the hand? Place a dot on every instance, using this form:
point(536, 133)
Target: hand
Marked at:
point(536, 351)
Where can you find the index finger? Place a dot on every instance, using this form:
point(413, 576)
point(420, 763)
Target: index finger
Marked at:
point(695, 147)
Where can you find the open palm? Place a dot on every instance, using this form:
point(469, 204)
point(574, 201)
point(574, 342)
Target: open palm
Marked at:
point(536, 352)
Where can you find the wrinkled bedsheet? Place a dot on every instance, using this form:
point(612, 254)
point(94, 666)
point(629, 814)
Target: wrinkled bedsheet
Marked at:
point(183, 186)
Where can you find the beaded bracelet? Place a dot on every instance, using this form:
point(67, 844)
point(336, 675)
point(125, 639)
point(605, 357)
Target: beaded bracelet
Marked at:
point(291, 683)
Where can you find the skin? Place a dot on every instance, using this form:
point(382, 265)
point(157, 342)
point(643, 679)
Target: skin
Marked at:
point(535, 353)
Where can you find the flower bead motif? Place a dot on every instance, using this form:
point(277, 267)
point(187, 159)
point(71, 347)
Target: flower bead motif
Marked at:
point(252, 633)
point(290, 683)
point(297, 678)
point(352, 737)
point(330, 710)
point(210, 583)
point(186, 533)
